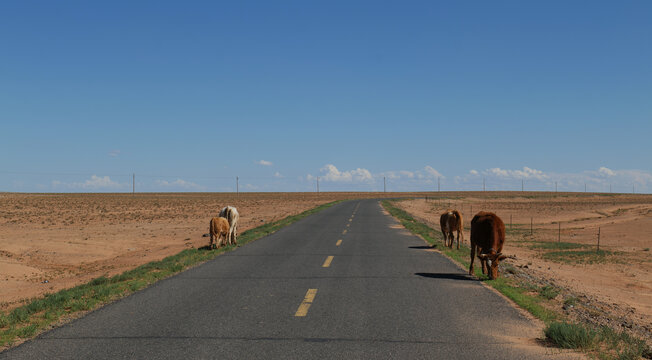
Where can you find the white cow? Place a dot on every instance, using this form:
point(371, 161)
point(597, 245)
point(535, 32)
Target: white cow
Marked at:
point(230, 213)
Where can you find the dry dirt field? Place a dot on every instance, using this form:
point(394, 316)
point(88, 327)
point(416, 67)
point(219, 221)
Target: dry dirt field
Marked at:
point(619, 283)
point(49, 242)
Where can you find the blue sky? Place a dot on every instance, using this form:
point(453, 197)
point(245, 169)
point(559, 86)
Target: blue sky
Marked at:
point(189, 95)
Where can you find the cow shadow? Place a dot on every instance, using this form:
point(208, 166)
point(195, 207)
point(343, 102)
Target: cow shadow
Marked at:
point(423, 247)
point(449, 276)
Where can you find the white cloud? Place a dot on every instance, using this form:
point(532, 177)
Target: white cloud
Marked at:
point(606, 171)
point(114, 153)
point(526, 173)
point(426, 173)
point(264, 163)
point(331, 173)
point(180, 184)
point(430, 172)
point(94, 183)
point(473, 172)
point(395, 175)
point(278, 175)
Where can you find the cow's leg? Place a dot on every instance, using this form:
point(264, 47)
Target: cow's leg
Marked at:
point(472, 258)
point(210, 246)
point(235, 234)
point(445, 238)
point(484, 266)
point(458, 239)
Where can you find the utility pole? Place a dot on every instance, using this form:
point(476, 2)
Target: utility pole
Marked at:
point(384, 185)
point(133, 183)
point(483, 184)
point(237, 185)
point(438, 183)
point(522, 185)
point(559, 233)
point(609, 188)
point(317, 184)
point(584, 187)
point(555, 186)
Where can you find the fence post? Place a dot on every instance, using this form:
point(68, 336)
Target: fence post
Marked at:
point(598, 239)
point(510, 221)
point(531, 225)
point(559, 234)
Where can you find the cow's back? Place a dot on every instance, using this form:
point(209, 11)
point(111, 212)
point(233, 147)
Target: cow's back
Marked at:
point(222, 225)
point(230, 213)
point(488, 231)
point(448, 221)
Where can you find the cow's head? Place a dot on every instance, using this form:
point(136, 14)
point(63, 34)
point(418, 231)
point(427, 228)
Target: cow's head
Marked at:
point(494, 258)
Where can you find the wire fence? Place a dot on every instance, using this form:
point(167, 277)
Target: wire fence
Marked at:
point(60, 182)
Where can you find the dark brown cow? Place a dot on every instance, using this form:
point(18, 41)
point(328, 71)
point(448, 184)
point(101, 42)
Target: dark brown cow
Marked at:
point(451, 220)
point(488, 236)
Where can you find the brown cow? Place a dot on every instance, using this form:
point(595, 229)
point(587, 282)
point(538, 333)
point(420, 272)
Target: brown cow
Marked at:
point(219, 229)
point(488, 236)
point(450, 221)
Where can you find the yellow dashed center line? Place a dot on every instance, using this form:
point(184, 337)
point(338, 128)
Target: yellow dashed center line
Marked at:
point(328, 261)
point(305, 304)
point(344, 232)
point(339, 242)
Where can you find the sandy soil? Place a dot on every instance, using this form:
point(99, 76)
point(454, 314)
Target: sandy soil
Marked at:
point(622, 285)
point(49, 242)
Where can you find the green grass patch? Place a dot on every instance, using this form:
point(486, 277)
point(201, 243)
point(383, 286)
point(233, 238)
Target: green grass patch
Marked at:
point(622, 346)
point(557, 245)
point(27, 320)
point(571, 336)
point(548, 292)
point(570, 301)
point(603, 342)
point(581, 257)
point(522, 297)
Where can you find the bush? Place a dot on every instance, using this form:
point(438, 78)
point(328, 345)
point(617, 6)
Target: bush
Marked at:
point(570, 336)
point(548, 292)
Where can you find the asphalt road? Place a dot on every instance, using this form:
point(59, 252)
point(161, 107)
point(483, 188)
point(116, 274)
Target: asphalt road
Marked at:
point(301, 293)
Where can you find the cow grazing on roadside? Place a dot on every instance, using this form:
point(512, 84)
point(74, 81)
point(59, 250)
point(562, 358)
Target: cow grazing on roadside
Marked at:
point(219, 231)
point(231, 214)
point(487, 237)
point(451, 220)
